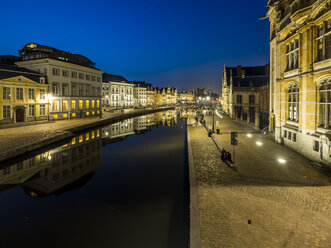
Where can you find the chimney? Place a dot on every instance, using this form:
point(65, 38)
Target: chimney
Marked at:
point(239, 68)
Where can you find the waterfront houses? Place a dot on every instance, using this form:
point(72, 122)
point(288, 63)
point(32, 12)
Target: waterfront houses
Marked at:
point(23, 95)
point(300, 76)
point(245, 94)
point(117, 91)
point(186, 97)
point(75, 83)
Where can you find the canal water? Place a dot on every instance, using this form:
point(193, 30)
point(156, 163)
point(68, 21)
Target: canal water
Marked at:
point(123, 185)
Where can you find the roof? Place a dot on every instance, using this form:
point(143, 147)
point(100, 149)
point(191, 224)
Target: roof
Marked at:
point(250, 81)
point(143, 84)
point(35, 51)
point(9, 71)
point(114, 78)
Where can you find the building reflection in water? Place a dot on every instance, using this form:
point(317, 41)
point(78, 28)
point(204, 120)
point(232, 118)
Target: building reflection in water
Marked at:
point(58, 170)
point(71, 165)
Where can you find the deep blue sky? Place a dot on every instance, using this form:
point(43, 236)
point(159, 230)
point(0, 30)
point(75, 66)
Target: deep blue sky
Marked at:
point(180, 43)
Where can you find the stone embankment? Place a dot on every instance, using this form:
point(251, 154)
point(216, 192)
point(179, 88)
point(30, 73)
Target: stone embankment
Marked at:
point(17, 141)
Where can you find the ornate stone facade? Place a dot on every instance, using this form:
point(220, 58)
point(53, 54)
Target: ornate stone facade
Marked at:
point(300, 76)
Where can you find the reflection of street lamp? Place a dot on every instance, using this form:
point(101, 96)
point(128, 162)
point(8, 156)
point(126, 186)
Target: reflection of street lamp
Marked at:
point(208, 98)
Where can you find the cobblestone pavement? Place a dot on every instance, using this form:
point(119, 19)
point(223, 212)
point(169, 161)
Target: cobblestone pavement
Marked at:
point(289, 205)
point(12, 138)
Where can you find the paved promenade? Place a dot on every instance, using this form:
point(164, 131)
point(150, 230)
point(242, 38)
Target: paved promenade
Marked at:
point(287, 205)
point(18, 140)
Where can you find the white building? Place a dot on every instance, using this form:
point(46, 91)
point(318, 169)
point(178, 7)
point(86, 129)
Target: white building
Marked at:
point(116, 91)
point(75, 84)
point(139, 95)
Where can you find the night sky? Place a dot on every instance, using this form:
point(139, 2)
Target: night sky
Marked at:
point(180, 43)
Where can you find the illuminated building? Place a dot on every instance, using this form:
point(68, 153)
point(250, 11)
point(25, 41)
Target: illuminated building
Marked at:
point(75, 83)
point(116, 91)
point(300, 76)
point(23, 95)
point(245, 94)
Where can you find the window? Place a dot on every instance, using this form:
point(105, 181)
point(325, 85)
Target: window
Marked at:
point(31, 94)
point(81, 90)
point(19, 166)
point(31, 110)
point(6, 93)
point(93, 78)
point(87, 104)
point(289, 135)
point(64, 105)
point(324, 40)
point(293, 102)
point(316, 145)
point(239, 99)
point(294, 137)
point(92, 103)
point(325, 103)
point(6, 112)
point(98, 104)
point(292, 54)
point(80, 104)
point(73, 104)
point(65, 73)
point(87, 77)
point(98, 79)
point(285, 133)
point(88, 89)
point(56, 72)
point(81, 75)
point(55, 105)
point(19, 93)
point(42, 94)
point(98, 91)
point(74, 89)
point(56, 88)
point(252, 114)
point(65, 89)
point(251, 99)
point(74, 74)
point(93, 91)
point(7, 171)
point(42, 109)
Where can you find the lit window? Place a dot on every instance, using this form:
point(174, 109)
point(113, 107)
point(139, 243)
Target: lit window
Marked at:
point(65, 115)
point(93, 104)
point(325, 103)
point(73, 104)
point(64, 105)
point(324, 40)
point(87, 102)
point(31, 94)
point(31, 110)
point(292, 55)
point(42, 94)
point(293, 102)
point(80, 104)
point(55, 105)
point(19, 93)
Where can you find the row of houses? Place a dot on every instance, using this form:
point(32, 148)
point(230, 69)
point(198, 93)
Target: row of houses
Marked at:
point(296, 93)
point(45, 83)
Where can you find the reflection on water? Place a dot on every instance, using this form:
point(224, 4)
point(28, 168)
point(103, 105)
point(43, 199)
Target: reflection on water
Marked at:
point(50, 171)
point(94, 162)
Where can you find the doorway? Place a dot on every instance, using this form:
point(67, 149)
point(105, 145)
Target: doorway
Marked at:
point(19, 115)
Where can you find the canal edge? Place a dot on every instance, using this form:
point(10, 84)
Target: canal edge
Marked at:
point(195, 235)
point(69, 133)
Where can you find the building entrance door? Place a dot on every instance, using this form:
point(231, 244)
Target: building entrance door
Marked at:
point(19, 115)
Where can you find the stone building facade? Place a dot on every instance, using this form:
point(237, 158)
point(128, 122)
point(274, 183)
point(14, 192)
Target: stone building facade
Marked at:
point(245, 94)
point(75, 83)
point(300, 76)
point(23, 95)
point(116, 91)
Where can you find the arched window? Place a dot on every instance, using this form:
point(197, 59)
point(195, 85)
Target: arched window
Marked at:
point(325, 103)
point(293, 102)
